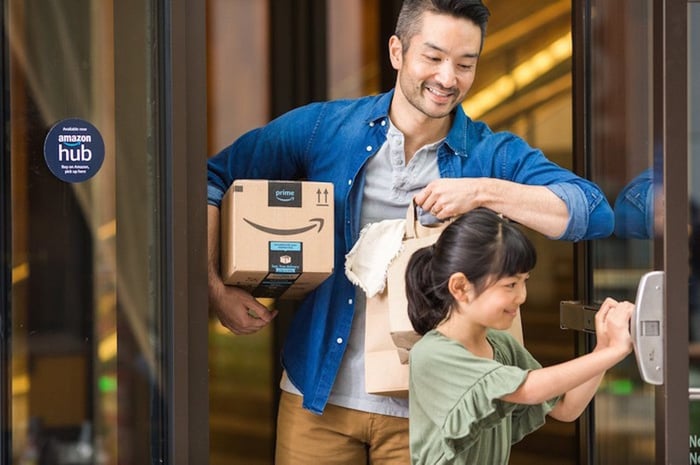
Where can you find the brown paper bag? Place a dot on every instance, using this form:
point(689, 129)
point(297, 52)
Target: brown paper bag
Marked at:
point(386, 362)
point(415, 237)
point(389, 334)
point(384, 372)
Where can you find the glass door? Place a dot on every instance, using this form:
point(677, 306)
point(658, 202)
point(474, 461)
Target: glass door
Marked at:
point(632, 127)
point(694, 228)
point(621, 162)
point(92, 302)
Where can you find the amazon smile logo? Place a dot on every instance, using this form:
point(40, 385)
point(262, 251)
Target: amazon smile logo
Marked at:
point(317, 222)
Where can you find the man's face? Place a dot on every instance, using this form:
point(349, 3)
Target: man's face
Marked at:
point(438, 69)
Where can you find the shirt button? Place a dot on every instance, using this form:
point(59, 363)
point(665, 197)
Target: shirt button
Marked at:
point(349, 301)
point(349, 182)
point(383, 122)
point(369, 148)
point(339, 340)
point(371, 124)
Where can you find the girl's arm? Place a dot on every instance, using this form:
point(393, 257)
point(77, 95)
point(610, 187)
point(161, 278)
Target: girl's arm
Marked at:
point(577, 380)
point(574, 402)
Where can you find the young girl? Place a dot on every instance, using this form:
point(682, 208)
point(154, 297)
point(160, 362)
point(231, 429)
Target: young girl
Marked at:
point(474, 390)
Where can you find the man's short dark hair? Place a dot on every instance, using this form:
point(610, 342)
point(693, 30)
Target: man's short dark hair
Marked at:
point(410, 16)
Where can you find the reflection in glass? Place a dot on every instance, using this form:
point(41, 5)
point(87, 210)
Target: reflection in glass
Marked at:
point(620, 162)
point(634, 208)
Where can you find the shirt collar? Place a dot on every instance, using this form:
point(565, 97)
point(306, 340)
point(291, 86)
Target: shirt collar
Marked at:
point(380, 109)
point(456, 139)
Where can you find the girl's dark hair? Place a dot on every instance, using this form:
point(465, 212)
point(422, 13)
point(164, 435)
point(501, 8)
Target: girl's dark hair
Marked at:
point(411, 14)
point(481, 244)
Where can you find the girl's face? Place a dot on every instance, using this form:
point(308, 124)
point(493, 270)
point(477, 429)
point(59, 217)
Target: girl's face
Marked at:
point(498, 305)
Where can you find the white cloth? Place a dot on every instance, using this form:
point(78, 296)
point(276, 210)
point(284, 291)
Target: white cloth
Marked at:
point(367, 262)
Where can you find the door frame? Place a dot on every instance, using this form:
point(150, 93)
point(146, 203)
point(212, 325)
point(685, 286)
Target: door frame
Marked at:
point(5, 249)
point(671, 162)
point(185, 292)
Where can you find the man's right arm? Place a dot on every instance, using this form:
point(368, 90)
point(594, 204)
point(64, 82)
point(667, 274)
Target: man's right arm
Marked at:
point(237, 310)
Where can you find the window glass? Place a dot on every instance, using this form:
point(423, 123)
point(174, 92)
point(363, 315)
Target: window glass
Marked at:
point(694, 215)
point(85, 372)
point(620, 161)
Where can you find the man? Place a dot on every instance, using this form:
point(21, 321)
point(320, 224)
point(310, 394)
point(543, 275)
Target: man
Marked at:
point(380, 152)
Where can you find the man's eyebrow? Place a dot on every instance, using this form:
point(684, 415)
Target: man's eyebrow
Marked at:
point(441, 50)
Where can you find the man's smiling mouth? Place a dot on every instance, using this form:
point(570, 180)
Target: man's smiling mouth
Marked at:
point(438, 93)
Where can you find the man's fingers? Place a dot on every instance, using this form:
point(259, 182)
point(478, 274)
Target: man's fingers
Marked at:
point(251, 325)
point(260, 312)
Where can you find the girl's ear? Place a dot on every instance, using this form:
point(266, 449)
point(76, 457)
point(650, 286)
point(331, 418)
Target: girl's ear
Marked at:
point(460, 287)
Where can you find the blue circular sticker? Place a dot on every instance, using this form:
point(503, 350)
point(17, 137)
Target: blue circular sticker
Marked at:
point(74, 150)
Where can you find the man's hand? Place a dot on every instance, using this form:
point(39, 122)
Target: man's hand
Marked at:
point(239, 311)
point(447, 197)
point(536, 207)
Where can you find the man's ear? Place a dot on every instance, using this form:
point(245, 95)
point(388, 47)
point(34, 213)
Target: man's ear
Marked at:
point(460, 287)
point(395, 52)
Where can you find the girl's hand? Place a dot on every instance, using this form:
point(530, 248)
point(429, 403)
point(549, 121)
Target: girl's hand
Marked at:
point(613, 325)
point(601, 331)
point(618, 323)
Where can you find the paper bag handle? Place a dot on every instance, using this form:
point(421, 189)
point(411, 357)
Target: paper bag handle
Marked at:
point(415, 229)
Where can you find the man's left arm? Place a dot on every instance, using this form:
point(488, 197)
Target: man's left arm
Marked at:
point(536, 207)
point(505, 174)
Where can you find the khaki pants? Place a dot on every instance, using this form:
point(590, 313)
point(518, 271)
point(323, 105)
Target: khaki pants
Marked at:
point(340, 436)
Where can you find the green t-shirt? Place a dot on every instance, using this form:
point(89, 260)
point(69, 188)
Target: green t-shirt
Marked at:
point(456, 415)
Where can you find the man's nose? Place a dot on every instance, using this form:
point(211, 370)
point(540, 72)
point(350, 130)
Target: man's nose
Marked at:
point(446, 75)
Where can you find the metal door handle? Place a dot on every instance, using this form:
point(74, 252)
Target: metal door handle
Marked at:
point(694, 394)
point(646, 326)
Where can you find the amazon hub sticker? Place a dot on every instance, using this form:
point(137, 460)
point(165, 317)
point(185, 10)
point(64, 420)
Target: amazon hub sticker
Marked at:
point(74, 150)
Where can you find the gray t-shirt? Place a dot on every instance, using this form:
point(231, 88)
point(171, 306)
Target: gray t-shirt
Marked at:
point(390, 185)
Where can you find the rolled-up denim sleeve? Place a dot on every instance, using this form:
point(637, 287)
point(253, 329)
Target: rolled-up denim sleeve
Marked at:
point(218, 179)
point(590, 215)
point(214, 195)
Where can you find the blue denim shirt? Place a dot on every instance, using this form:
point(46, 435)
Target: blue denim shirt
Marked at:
point(634, 208)
point(331, 141)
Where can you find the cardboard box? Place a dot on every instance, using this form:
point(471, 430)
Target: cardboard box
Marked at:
point(277, 237)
